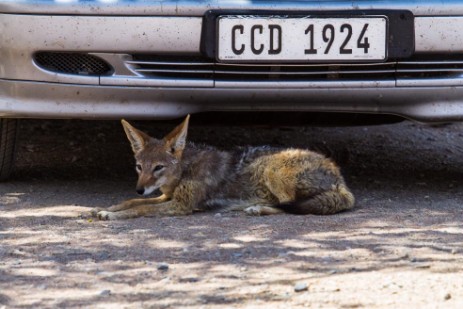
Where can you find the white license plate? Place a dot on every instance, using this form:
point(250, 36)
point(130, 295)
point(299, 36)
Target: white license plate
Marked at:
point(299, 39)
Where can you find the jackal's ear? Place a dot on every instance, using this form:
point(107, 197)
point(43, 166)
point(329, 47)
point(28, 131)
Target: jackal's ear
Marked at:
point(175, 141)
point(137, 138)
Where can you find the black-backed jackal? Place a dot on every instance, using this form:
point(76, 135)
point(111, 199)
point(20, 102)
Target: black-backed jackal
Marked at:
point(259, 180)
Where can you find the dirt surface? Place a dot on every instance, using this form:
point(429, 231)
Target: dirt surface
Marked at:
point(402, 246)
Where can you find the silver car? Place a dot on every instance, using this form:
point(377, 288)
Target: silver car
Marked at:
point(165, 59)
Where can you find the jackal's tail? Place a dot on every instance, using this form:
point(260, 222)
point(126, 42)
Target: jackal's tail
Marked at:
point(325, 203)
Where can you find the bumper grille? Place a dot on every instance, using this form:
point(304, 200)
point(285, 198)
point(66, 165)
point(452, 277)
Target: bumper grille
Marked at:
point(171, 66)
point(418, 69)
point(72, 63)
point(198, 67)
point(196, 71)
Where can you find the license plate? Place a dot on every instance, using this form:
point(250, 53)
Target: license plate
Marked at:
point(301, 39)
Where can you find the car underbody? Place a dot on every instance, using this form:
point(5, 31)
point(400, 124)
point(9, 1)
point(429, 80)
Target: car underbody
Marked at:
point(165, 59)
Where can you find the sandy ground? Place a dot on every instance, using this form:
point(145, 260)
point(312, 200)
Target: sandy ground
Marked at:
point(402, 246)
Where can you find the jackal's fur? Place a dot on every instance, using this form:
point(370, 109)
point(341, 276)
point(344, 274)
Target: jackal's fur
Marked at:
point(258, 180)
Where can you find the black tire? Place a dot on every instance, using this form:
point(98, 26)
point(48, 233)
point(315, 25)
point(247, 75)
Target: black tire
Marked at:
point(8, 133)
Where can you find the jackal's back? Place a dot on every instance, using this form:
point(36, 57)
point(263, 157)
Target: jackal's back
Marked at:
point(295, 180)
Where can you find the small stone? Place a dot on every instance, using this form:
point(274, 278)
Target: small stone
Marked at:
point(282, 254)
point(218, 215)
point(163, 266)
point(454, 251)
point(18, 252)
point(105, 293)
point(189, 279)
point(301, 287)
point(447, 296)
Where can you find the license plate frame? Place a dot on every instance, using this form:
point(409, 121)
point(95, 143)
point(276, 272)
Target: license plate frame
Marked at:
point(400, 40)
point(250, 38)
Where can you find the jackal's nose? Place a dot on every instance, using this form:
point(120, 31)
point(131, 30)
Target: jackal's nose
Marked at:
point(140, 191)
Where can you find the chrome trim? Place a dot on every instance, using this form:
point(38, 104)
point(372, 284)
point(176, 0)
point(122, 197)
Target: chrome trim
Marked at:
point(118, 63)
point(127, 74)
point(277, 73)
point(401, 74)
point(433, 73)
point(154, 82)
point(431, 82)
point(197, 8)
point(132, 62)
point(219, 70)
point(313, 84)
point(261, 75)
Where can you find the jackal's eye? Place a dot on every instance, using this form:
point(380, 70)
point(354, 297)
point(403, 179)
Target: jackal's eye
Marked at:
point(138, 168)
point(157, 168)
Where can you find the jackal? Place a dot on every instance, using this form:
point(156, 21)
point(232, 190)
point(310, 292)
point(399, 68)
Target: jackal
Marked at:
point(186, 177)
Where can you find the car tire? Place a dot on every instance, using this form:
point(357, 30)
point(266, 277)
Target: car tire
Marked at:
point(8, 133)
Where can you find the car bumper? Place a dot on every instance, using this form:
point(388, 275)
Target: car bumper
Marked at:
point(28, 90)
point(51, 100)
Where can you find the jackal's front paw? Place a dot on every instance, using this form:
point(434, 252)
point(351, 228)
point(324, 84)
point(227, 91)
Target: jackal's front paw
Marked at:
point(253, 211)
point(94, 212)
point(106, 215)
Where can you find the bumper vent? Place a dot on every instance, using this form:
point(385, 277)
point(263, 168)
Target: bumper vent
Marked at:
point(172, 67)
point(430, 72)
point(72, 63)
point(417, 71)
point(197, 67)
point(195, 71)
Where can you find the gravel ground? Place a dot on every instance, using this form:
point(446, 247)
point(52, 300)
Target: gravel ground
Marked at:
point(401, 247)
